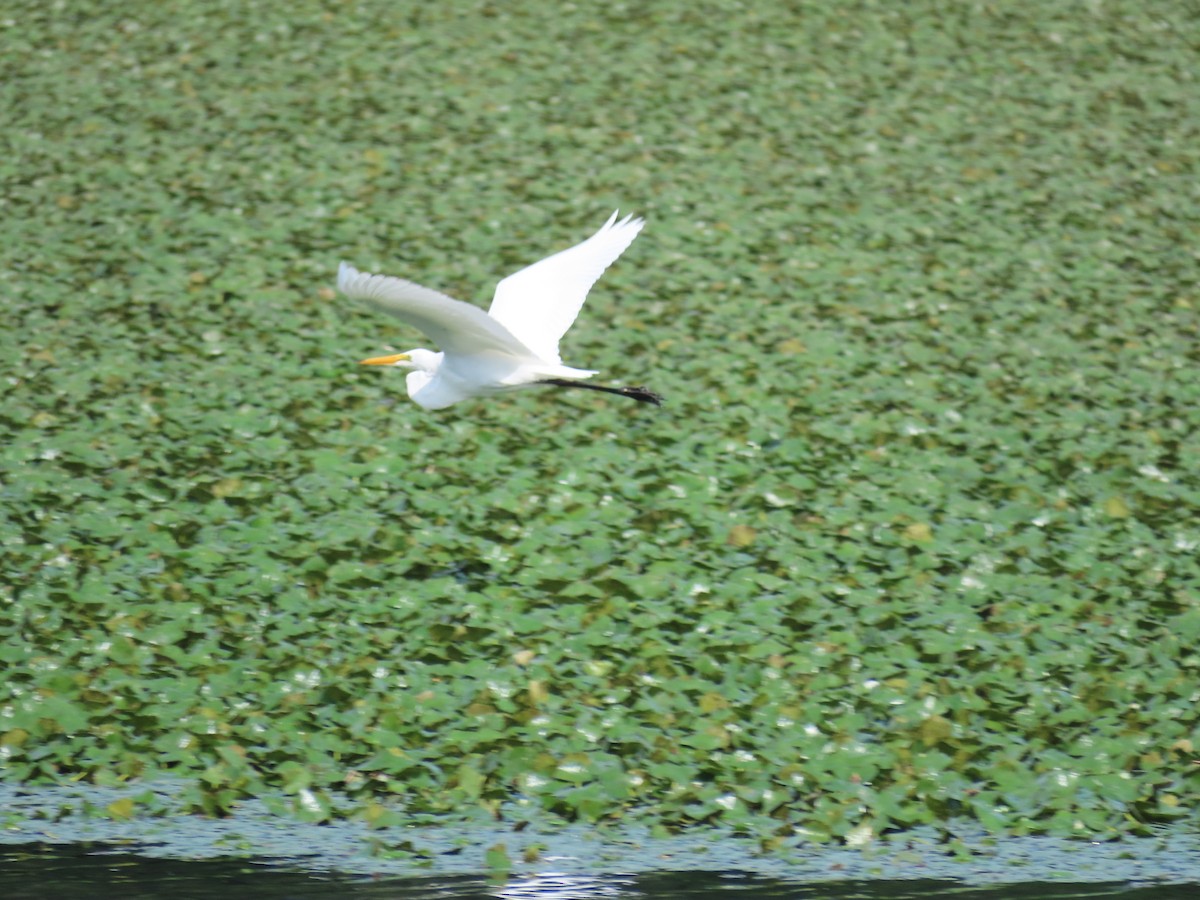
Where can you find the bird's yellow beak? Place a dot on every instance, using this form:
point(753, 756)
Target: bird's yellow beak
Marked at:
point(384, 360)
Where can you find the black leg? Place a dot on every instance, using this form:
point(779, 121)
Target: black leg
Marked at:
point(644, 395)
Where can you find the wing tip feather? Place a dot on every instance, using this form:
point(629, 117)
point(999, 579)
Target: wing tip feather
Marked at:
point(345, 275)
point(634, 223)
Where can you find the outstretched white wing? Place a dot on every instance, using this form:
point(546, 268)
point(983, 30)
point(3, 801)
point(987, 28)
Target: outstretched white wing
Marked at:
point(456, 327)
point(539, 303)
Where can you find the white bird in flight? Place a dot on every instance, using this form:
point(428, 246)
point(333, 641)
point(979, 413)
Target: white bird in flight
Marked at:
point(512, 345)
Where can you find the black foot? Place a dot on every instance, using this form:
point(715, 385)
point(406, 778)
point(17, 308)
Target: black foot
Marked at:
point(645, 395)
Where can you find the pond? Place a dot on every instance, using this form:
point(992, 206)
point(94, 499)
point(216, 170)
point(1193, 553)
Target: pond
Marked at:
point(58, 841)
point(97, 872)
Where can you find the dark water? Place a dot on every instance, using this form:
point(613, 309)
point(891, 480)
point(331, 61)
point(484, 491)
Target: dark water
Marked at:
point(56, 842)
point(47, 872)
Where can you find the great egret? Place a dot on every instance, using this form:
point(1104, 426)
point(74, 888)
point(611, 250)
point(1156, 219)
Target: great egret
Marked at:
point(512, 345)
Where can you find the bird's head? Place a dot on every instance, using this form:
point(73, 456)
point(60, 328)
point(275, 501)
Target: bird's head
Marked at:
point(422, 360)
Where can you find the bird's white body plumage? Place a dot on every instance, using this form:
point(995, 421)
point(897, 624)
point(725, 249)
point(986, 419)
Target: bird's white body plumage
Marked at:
point(516, 342)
